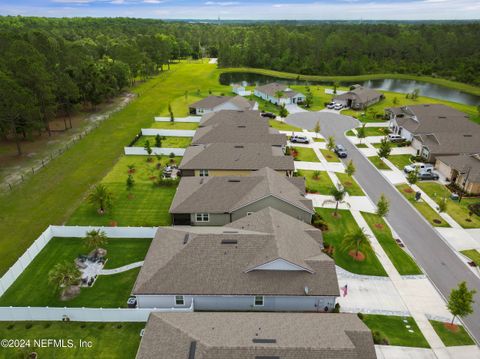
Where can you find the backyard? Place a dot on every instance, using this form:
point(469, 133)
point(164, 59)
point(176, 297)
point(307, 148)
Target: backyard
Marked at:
point(428, 212)
point(338, 227)
point(174, 125)
point(109, 340)
point(321, 184)
point(109, 291)
point(403, 262)
point(304, 154)
point(350, 185)
point(457, 210)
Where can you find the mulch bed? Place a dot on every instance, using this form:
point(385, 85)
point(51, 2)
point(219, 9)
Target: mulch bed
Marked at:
point(359, 257)
point(348, 183)
point(437, 221)
point(452, 327)
point(378, 225)
point(408, 190)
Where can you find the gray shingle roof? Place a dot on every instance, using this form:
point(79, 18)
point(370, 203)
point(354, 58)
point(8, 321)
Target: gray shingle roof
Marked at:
point(230, 193)
point(211, 102)
point(360, 94)
point(233, 117)
point(271, 89)
point(230, 336)
point(205, 266)
point(236, 156)
point(463, 163)
point(451, 143)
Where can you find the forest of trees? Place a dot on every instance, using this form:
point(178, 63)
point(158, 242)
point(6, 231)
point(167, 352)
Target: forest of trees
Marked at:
point(51, 66)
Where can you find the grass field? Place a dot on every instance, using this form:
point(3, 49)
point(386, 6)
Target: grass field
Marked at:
point(145, 205)
point(458, 210)
point(109, 291)
point(321, 185)
point(400, 161)
point(428, 212)
point(109, 340)
point(378, 162)
point(403, 262)
point(174, 125)
point(167, 142)
point(282, 126)
point(329, 155)
point(305, 154)
point(338, 227)
point(395, 330)
point(473, 254)
point(350, 184)
point(450, 338)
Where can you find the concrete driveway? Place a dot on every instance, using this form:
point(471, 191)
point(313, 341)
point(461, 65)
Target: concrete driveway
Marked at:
point(442, 265)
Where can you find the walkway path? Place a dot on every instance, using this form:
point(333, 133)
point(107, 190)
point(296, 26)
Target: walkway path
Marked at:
point(121, 269)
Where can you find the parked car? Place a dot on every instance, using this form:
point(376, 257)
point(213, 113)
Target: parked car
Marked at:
point(340, 151)
point(338, 106)
point(395, 138)
point(428, 175)
point(331, 105)
point(299, 139)
point(268, 115)
point(418, 166)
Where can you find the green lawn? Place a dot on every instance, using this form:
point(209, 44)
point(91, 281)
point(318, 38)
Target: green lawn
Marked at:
point(322, 185)
point(428, 212)
point(361, 145)
point(473, 254)
point(449, 338)
point(145, 205)
point(338, 227)
point(174, 125)
point(458, 211)
point(109, 340)
point(319, 96)
point(350, 184)
point(330, 156)
point(112, 291)
point(350, 133)
point(318, 139)
point(403, 262)
point(52, 195)
point(400, 161)
point(305, 154)
point(167, 142)
point(376, 131)
point(394, 329)
point(282, 126)
point(378, 162)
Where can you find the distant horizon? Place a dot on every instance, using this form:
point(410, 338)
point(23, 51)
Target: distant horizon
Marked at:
point(251, 10)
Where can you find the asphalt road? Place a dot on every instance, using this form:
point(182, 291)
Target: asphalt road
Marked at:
point(440, 263)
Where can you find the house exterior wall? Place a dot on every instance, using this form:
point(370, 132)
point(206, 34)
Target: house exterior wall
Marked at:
point(240, 303)
point(276, 204)
point(215, 219)
point(398, 130)
point(272, 99)
point(444, 169)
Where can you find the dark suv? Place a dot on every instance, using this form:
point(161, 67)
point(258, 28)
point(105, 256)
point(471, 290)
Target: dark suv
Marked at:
point(340, 151)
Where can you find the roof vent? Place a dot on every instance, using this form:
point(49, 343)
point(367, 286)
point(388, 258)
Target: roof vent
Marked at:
point(242, 126)
point(193, 349)
point(233, 181)
point(264, 341)
point(229, 241)
point(238, 146)
point(441, 117)
point(467, 136)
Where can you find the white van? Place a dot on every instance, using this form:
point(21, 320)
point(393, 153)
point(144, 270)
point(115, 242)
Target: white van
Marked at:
point(420, 167)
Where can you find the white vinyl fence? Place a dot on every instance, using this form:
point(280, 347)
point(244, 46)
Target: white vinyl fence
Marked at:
point(195, 119)
point(174, 133)
point(140, 151)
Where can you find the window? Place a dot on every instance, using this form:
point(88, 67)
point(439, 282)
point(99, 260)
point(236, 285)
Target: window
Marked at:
point(203, 173)
point(202, 217)
point(179, 300)
point(258, 301)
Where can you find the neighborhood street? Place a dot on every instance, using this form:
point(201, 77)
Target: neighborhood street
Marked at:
point(440, 263)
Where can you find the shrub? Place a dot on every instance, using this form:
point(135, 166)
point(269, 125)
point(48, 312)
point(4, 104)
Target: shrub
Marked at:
point(319, 222)
point(28, 325)
point(166, 182)
point(475, 208)
point(379, 338)
point(360, 316)
point(337, 308)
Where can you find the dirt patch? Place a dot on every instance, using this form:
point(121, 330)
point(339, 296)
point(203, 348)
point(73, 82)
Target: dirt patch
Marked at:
point(70, 292)
point(357, 256)
point(451, 327)
point(408, 190)
point(113, 223)
point(338, 215)
point(468, 220)
point(379, 225)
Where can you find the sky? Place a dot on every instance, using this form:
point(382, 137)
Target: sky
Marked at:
point(250, 9)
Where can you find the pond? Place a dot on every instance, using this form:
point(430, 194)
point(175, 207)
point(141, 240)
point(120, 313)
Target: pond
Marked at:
point(394, 85)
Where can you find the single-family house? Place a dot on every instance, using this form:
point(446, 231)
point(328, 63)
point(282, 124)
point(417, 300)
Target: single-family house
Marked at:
point(359, 97)
point(217, 103)
point(435, 130)
point(463, 170)
point(240, 89)
point(278, 94)
point(234, 159)
point(216, 201)
point(268, 261)
point(233, 117)
point(237, 335)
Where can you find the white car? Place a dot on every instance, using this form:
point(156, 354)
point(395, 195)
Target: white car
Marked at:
point(331, 105)
point(338, 107)
point(395, 138)
point(299, 139)
point(425, 167)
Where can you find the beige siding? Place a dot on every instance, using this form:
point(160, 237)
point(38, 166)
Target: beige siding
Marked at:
point(443, 169)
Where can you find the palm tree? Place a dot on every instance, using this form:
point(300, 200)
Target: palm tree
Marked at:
point(64, 274)
point(353, 240)
point(331, 143)
point(101, 196)
point(96, 238)
point(279, 95)
point(338, 196)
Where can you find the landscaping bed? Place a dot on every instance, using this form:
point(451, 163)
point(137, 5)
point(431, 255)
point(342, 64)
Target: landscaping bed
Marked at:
point(109, 340)
point(452, 335)
point(304, 154)
point(428, 212)
point(321, 185)
point(378, 162)
point(109, 291)
point(338, 227)
point(350, 185)
point(402, 261)
point(393, 330)
point(330, 156)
